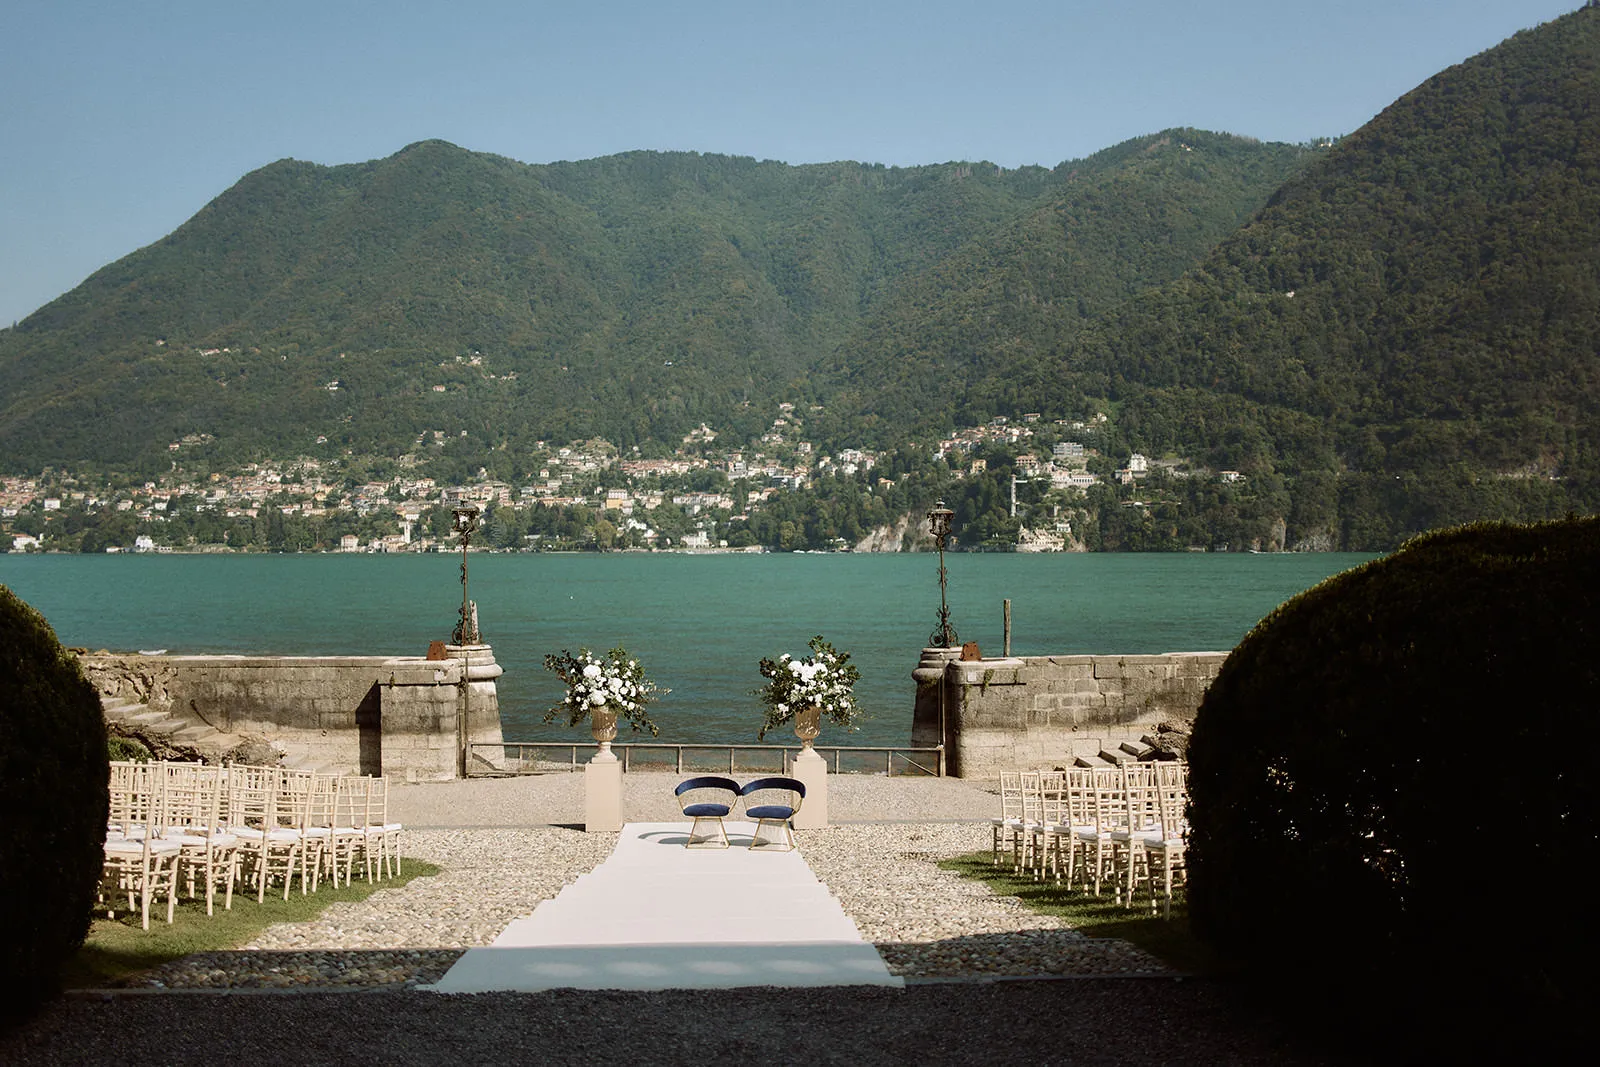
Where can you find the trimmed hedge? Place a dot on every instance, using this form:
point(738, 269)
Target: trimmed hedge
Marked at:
point(1392, 796)
point(53, 790)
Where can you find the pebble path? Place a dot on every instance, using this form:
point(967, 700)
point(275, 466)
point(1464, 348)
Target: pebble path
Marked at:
point(926, 922)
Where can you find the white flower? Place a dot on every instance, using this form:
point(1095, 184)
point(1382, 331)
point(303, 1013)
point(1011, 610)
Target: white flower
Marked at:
point(591, 670)
point(597, 698)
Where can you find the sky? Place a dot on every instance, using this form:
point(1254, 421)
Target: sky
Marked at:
point(118, 120)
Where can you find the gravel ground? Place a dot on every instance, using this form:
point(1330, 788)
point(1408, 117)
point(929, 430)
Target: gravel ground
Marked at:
point(926, 922)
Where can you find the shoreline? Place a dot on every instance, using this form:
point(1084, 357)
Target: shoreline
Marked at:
point(758, 550)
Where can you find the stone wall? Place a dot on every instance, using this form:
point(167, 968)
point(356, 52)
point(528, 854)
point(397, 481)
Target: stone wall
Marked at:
point(1044, 711)
point(393, 715)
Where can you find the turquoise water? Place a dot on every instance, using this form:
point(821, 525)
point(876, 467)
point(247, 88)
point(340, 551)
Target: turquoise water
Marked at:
point(700, 624)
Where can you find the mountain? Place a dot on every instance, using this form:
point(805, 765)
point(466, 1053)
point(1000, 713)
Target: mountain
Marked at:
point(634, 296)
point(1406, 335)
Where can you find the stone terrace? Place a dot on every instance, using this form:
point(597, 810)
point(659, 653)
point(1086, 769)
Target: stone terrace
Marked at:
point(507, 844)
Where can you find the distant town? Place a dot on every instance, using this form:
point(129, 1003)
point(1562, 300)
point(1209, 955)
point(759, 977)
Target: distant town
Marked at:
point(703, 497)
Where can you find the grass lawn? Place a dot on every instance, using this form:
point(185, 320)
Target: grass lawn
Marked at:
point(117, 948)
point(1167, 939)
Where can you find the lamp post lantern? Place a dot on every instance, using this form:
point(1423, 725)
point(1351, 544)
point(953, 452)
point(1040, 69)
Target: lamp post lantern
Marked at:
point(939, 525)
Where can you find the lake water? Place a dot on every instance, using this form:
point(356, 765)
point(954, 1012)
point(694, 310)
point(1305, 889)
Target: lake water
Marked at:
point(699, 623)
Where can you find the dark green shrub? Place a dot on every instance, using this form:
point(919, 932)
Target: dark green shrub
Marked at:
point(53, 791)
point(1391, 796)
point(126, 749)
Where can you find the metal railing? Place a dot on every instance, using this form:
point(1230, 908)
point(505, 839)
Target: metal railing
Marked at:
point(539, 757)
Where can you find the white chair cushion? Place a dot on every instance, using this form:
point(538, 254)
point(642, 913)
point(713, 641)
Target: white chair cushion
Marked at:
point(1156, 840)
point(124, 848)
point(200, 840)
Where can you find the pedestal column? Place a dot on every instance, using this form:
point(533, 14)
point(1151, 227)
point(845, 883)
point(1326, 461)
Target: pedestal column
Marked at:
point(811, 771)
point(602, 793)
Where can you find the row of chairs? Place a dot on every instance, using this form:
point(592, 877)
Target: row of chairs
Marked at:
point(1089, 827)
point(209, 828)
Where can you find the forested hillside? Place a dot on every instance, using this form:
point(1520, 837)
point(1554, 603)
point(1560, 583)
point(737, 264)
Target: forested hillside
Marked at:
point(1408, 335)
point(944, 349)
point(630, 297)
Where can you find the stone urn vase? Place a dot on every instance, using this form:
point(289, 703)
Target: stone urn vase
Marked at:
point(603, 727)
point(807, 725)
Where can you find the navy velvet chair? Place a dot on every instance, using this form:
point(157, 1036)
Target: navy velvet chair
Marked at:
point(783, 798)
point(707, 799)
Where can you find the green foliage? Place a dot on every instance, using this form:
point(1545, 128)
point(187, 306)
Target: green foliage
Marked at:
point(54, 781)
point(123, 749)
point(1371, 776)
point(978, 333)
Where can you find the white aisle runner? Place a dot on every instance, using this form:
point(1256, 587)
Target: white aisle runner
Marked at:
point(656, 915)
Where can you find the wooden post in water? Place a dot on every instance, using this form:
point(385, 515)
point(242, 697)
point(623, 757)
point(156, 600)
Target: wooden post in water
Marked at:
point(1007, 652)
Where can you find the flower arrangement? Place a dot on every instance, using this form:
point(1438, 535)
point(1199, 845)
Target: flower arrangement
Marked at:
point(595, 682)
point(825, 679)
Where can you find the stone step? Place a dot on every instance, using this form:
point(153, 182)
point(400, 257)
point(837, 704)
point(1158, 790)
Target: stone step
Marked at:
point(301, 760)
point(1091, 761)
point(1117, 757)
point(187, 736)
point(125, 712)
point(1137, 749)
point(159, 723)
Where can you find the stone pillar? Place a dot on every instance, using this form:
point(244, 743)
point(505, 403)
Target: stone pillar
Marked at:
point(811, 771)
point(478, 717)
point(602, 794)
point(933, 719)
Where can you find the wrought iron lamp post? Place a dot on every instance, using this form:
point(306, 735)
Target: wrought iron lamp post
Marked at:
point(464, 521)
point(939, 525)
